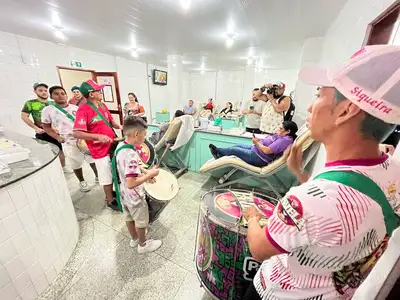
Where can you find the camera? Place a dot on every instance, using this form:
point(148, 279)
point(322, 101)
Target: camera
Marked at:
point(272, 90)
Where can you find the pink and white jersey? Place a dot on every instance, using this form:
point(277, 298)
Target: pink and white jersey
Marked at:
point(128, 166)
point(325, 230)
point(51, 115)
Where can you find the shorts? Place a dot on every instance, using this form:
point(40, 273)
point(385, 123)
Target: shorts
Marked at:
point(75, 157)
point(103, 166)
point(45, 137)
point(139, 214)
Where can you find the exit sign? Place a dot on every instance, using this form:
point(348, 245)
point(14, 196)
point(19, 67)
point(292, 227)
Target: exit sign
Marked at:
point(75, 63)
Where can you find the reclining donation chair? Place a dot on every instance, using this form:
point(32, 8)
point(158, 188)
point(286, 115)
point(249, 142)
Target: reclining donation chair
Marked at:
point(174, 139)
point(263, 175)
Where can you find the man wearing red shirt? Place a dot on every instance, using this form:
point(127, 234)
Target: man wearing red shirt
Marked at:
point(95, 124)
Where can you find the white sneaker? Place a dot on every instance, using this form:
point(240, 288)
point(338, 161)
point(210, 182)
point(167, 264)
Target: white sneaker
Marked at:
point(134, 243)
point(67, 170)
point(149, 246)
point(84, 187)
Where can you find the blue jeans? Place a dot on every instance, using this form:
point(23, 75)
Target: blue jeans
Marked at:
point(243, 152)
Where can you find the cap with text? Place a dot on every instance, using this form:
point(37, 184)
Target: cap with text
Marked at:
point(370, 79)
point(90, 86)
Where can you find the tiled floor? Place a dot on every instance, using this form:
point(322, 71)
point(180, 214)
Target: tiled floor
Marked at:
point(104, 266)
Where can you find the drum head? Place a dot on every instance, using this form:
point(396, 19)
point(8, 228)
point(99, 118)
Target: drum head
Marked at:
point(146, 152)
point(165, 188)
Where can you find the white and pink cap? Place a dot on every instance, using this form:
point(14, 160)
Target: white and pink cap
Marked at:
point(370, 79)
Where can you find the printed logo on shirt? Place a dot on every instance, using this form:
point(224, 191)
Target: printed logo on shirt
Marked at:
point(250, 268)
point(95, 119)
point(290, 211)
point(82, 122)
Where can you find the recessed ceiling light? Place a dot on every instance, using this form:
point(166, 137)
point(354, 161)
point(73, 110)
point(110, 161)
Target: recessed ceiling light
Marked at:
point(174, 65)
point(230, 37)
point(55, 18)
point(135, 53)
point(59, 34)
point(186, 4)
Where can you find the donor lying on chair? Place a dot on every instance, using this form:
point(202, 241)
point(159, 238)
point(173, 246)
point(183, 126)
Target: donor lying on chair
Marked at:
point(263, 151)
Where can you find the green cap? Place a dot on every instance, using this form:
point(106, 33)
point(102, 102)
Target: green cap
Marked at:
point(90, 86)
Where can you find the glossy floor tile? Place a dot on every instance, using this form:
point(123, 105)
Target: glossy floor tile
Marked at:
point(104, 266)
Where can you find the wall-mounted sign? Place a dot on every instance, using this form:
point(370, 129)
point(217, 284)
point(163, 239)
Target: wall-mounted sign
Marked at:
point(76, 64)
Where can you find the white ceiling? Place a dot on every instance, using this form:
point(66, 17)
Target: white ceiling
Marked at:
point(273, 29)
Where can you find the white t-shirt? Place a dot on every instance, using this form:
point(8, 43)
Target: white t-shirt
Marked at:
point(324, 227)
point(128, 166)
point(253, 120)
point(271, 121)
point(64, 125)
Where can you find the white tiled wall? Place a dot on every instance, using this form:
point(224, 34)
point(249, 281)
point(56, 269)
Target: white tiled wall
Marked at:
point(24, 61)
point(38, 233)
point(346, 35)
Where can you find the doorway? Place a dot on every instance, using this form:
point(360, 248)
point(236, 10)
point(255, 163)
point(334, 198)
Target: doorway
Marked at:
point(70, 77)
point(384, 30)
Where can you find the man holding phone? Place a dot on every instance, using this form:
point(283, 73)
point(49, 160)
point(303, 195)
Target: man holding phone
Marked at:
point(253, 111)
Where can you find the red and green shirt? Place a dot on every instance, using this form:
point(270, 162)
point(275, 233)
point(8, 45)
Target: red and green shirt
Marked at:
point(87, 120)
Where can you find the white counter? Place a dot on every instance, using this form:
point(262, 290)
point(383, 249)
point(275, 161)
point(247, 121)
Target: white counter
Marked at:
point(38, 232)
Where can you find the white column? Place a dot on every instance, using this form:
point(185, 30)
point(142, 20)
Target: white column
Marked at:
point(248, 82)
point(175, 83)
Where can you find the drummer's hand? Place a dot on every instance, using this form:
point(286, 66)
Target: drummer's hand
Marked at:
point(294, 154)
point(389, 149)
point(104, 139)
point(153, 172)
point(252, 212)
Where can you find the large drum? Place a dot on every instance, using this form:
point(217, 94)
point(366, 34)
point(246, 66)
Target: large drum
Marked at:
point(159, 193)
point(223, 259)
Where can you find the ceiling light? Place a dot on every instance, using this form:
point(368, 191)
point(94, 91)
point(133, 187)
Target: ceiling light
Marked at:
point(59, 34)
point(230, 37)
point(186, 4)
point(174, 65)
point(202, 72)
point(249, 61)
point(135, 53)
point(55, 18)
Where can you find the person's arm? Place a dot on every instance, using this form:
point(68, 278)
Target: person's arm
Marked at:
point(133, 176)
point(295, 155)
point(133, 182)
point(115, 125)
point(281, 106)
point(47, 123)
point(25, 118)
point(51, 132)
point(260, 247)
point(264, 149)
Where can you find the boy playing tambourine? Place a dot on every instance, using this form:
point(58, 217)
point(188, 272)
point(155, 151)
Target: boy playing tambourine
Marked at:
point(132, 177)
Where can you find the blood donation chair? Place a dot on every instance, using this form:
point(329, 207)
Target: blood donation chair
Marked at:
point(384, 280)
point(264, 175)
point(167, 145)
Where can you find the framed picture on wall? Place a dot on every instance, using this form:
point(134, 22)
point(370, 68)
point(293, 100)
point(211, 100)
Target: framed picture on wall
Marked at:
point(108, 93)
point(159, 77)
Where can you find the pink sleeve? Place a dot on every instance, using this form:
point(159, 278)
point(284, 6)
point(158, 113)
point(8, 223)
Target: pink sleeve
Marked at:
point(81, 120)
point(131, 166)
point(300, 219)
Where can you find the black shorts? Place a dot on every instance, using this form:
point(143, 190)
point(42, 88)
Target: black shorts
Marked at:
point(251, 293)
point(253, 130)
point(47, 138)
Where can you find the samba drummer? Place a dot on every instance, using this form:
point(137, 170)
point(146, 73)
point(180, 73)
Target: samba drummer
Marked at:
point(325, 235)
point(61, 116)
point(94, 124)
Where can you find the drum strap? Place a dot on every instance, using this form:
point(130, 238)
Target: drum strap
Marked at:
point(368, 187)
point(100, 114)
point(115, 172)
point(69, 116)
